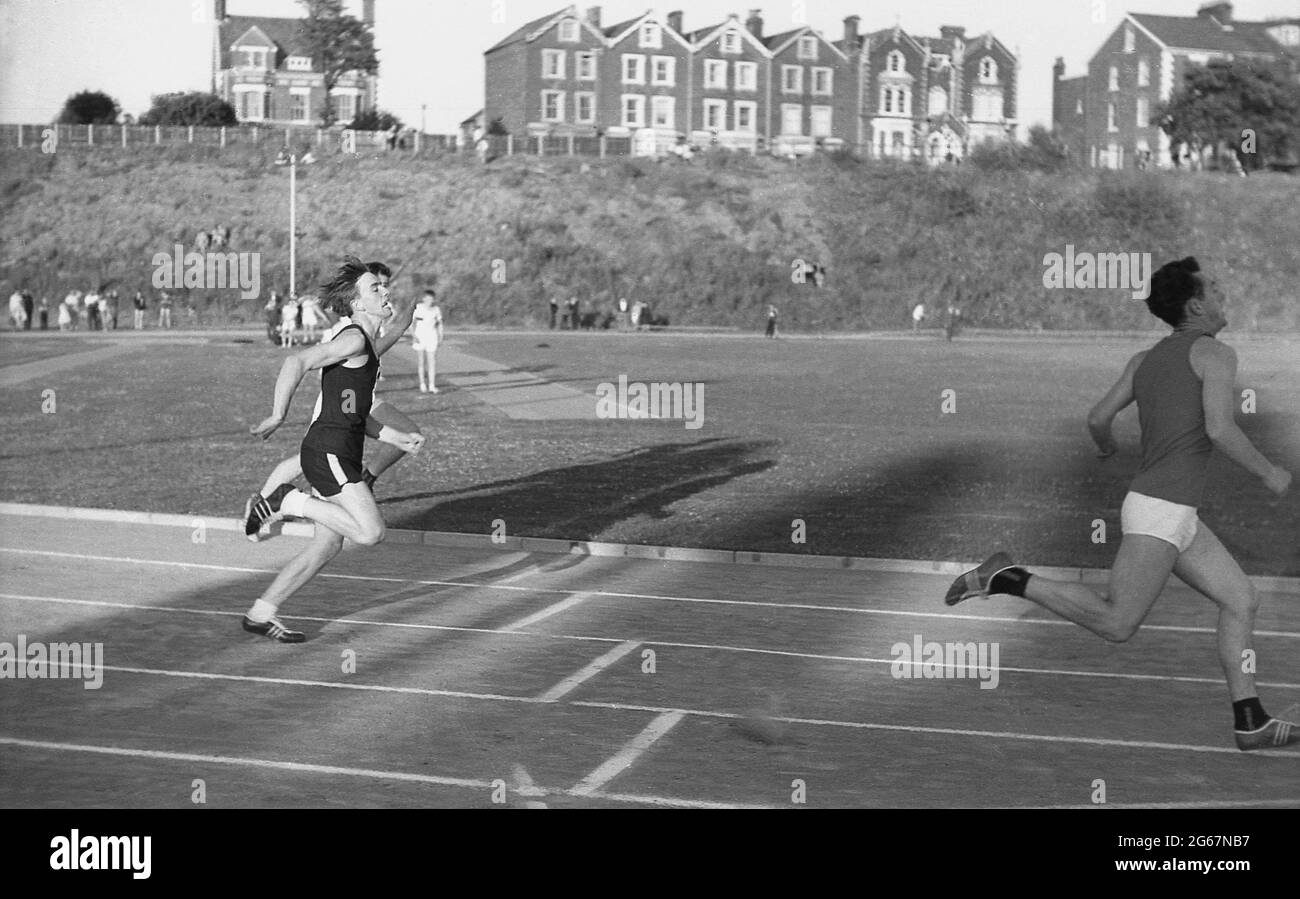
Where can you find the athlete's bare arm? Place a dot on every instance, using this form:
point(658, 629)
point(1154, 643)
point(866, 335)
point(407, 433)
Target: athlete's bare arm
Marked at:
point(295, 368)
point(1116, 399)
point(1216, 363)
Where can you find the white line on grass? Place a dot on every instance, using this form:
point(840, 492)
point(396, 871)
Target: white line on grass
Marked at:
point(997, 619)
point(625, 757)
point(547, 612)
point(708, 647)
point(588, 671)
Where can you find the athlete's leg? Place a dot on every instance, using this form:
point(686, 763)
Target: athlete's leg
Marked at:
point(433, 366)
point(351, 512)
point(420, 369)
point(285, 472)
point(1141, 569)
point(324, 546)
point(386, 454)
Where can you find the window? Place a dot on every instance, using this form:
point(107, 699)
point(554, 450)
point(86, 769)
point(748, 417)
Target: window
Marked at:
point(251, 105)
point(895, 63)
point(988, 71)
point(552, 106)
point(1144, 73)
point(1078, 106)
point(938, 101)
point(633, 111)
point(651, 36)
point(988, 104)
point(1110, 117)
point(715, 115)
point(662, 111)
point(1289, 35)
point(298, 105)
point(552, 63)
point(1112, 82)
point(746, 115)
point(807, 48)
point(633, 69)
point(585, 64)
point(731, 42)
point(298, 63)
point(791, 118)
point(345, 107)
point(1143, 112)
point(822, 80)
point(251, 59)
point(746, 76)
point(895, 100)
point(584, 108)
point(715, 73)
point(569, 30)
point(663, 70)
point(792, 79)
point(1128, 39)
point(821, 121)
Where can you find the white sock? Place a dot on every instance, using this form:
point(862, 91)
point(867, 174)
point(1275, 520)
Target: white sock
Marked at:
point(293, 503)
point(261, 612)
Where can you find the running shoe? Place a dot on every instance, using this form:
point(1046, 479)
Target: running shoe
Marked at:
point(1273, 734)
point(273, 629)
point(260, 511)
point(976, 581)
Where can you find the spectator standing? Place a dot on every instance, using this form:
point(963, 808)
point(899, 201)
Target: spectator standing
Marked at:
point(954, 321)
point(164, 309)
point(427, 318)
point(105, 311)
point(65, 317)
point(288, 322)
point(918, 314)
point(272, 309)
point(313, 317)
point(93, 321)
point(573, 313)
point(29, 307)
point(17, 317)
point(45, 313)
point(555, 309)
point(622, 313)
point(771, 321)
point(71, 303)
point(638, 309)
point(140, 305)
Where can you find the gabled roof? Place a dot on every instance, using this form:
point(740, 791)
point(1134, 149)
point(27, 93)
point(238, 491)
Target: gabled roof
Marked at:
point(530, 31)
point(1203, 34)
point(285, 34)
point(616, 33)
point(621, 28)
point(706, 35)
point(986, 41)
point(779, 42)
point(878, 37)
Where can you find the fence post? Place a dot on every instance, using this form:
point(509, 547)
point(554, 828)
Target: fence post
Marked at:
point(123, 137)
point(510, 145)
point(541, 149)
point(570, 144)
point(20, 135)
point(320, 139)
point(286, 137)
point(602, 146)
point(257, 135)
point(418, 141)
point(157, 134)
point(190, 139)
point(90, 135)
point(223, 135)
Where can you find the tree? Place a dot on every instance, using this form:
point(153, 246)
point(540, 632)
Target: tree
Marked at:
point(376, 120)
point(337, 44)
point(193, 108)
point(497, 127)
point(89, 108)
point(1228, 103)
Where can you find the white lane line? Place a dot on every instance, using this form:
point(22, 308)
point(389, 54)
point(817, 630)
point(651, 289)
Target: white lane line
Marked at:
point(305, 768)
point(625, 757)
point(815, 607)
point(547, 612)
point(589, 671)
point(674, 644)
point(1208, 803)
point(700, 713)
point(949, 731)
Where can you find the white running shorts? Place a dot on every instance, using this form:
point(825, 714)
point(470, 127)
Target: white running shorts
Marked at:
point(1170, 522)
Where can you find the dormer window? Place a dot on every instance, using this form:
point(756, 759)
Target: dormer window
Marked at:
point(249, 58)
point(807, 48)
point(895, 63)
point(1129, 39)
point(651, 36)
point(298, 63)
point(731, 42)
point(569, 30)
point(988, 71)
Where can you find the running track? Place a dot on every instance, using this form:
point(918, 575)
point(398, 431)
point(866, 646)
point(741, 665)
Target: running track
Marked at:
point(480, 668)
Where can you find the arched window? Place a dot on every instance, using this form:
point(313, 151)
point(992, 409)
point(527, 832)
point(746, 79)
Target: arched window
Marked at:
point(896, 62)
point(988, 70)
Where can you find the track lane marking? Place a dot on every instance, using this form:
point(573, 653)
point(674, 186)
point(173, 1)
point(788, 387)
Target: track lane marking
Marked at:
point(627, 756)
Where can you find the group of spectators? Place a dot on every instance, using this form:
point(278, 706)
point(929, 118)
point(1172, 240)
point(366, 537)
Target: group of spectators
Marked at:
point(285, 318)
point(637, 317)
point(94, 309)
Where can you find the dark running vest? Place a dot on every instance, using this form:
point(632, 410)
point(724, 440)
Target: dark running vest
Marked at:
point(1175, 447)
point(346, 395)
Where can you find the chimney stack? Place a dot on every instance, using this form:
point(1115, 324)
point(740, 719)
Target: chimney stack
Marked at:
point(593, 17)
point(851, 32)
point(675, 21)
point(1220, 12)
point(949, 32)
point(219, 10)
point(368, 12)
point(1058, 70)
point(755, 23)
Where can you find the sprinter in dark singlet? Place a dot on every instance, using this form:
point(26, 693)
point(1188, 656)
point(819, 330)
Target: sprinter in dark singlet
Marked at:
point(1184, 389)
point(331, 451)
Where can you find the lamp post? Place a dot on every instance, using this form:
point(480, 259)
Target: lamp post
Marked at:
point(293, 225)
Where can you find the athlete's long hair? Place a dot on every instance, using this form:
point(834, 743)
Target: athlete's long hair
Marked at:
point(341, 291)
point(1173, 284)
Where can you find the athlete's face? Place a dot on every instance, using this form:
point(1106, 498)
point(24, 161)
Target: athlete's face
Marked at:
point(372, 296)
point(1213, 305)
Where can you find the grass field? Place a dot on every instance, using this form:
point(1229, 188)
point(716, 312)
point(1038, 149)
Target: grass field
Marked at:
point(846, 435)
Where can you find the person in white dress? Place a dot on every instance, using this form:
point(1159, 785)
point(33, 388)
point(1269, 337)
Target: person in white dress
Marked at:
point(313, 318)
point(427, 322)
point(288, 322)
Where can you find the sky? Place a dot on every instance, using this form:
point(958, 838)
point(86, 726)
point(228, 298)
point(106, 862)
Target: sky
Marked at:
point(431, 51)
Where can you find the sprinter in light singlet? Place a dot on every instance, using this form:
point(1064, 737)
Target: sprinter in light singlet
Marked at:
point(1184, 389)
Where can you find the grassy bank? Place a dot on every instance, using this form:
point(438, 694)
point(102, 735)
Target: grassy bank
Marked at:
point(707, 243)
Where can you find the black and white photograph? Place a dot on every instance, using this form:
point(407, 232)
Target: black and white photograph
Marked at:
point(469, 405)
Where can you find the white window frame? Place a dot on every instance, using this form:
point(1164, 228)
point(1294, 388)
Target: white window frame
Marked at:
point(829, 74)
point(813, 113)
point(807, 47)
point(788, 108)
point(258, 54)
point(743, 84)
point(590, 97)
point(730, 41)
point(711, 67)
point(638, 64)
point(1078, 106)
point(1112, 80)
point(559, 105)
point(988, 70)
point(569, 30)
point(660, 103)
point(553, 65)
point(1144, 72)
point(721, 107)
point(750, 107)
point(650, 36)
point(671, 76)
point(786, 72)
point(1143, 112)
point(336, 98)
point(294, 94)
point(888, 94)
point(579, 58)
point(638, 100)
point(240, 92)
point(1110, 118)
point(298, 63)
point(895, 62)
point(1130, 39)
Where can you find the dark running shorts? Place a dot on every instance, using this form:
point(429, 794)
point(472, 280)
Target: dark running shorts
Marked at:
point(327, 472)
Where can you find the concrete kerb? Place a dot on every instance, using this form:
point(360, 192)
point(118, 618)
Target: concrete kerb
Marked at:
point(547, 545)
